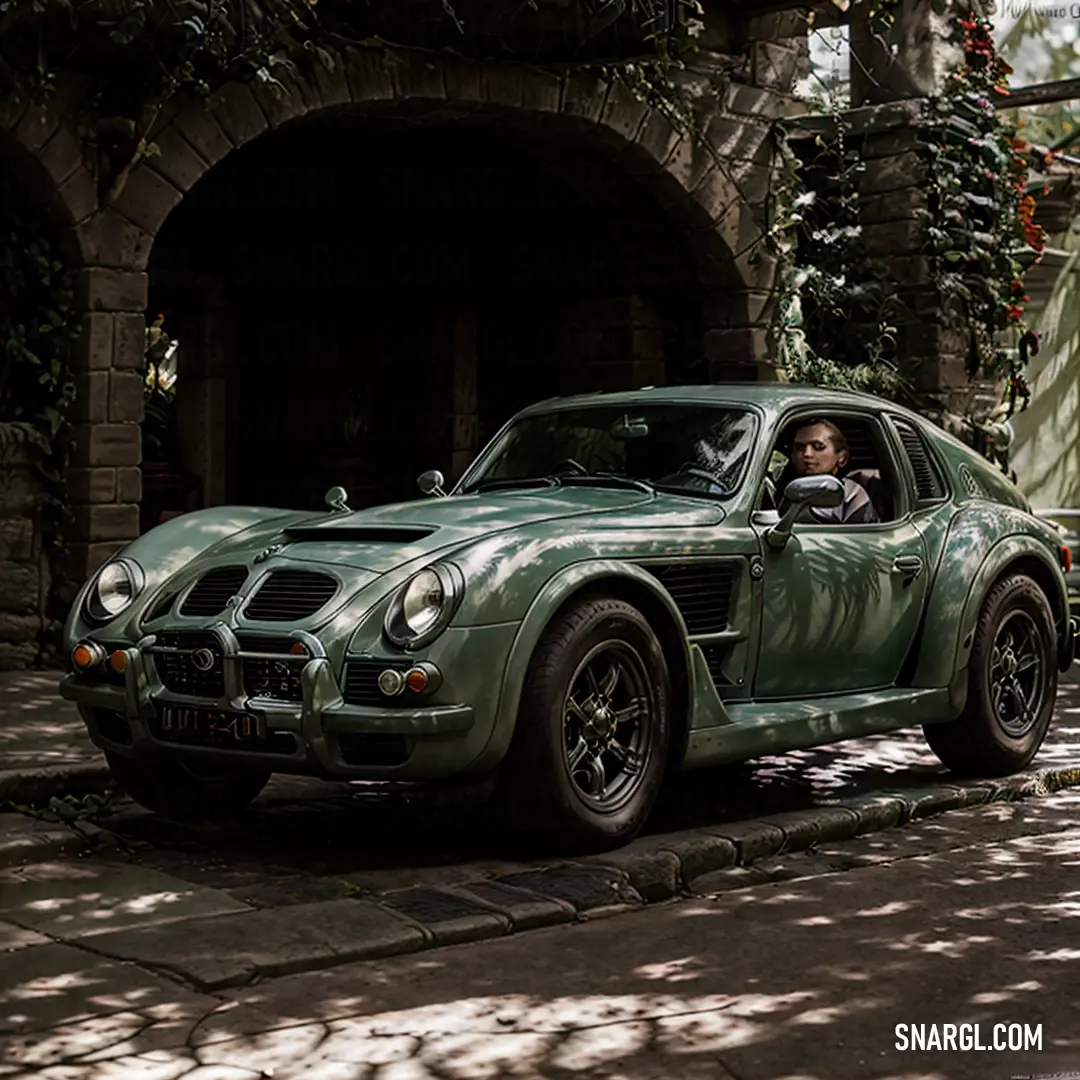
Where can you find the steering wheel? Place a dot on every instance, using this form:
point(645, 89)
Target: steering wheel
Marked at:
point(576, 466)
point(701, 474)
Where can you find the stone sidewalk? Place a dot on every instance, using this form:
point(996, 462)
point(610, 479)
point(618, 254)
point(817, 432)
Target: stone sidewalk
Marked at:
point(798, 968)
point(44, 747)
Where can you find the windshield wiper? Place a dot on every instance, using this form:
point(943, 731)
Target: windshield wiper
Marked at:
point(609, 478)
point(693, 493)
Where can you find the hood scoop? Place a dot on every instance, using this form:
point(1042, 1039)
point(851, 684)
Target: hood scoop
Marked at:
point(358, 534)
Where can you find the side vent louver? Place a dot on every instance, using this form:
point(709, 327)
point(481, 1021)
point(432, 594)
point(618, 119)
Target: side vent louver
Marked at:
point(701, 591)
point(213, 590)
point(928, 485)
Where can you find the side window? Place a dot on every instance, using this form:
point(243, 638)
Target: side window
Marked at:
point(929, 486)
point(868, 463)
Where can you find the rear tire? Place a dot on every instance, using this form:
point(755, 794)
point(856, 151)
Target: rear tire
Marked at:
point(1012, 681)
point(185, 793)
point(592, 738)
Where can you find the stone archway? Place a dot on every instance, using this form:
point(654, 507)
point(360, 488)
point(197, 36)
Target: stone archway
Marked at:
point(700, 196)
point(695, 192)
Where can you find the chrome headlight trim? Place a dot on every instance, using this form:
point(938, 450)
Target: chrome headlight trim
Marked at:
point(113, 590)
point(443, 580)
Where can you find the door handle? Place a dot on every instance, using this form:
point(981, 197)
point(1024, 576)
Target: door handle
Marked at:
point(908, 565)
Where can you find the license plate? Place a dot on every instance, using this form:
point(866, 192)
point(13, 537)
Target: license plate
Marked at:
point(211, 727)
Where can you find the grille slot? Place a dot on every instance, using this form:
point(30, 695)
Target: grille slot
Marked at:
point(702, 593)
point(379, 750)
point(362, 683)
point(278, 679)
point(176, 669)
point(288, 595)
point(213, 590)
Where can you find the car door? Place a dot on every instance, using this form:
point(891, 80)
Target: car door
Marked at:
point(841, 603)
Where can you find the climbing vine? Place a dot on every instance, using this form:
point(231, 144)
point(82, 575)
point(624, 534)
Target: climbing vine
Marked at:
point(981, 213)
point(839, 311)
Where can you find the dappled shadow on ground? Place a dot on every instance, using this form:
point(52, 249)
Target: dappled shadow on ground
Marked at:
point(36, 730)
point(806, 979)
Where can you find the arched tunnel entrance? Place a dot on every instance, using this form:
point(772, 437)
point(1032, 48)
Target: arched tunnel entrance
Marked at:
point(359, 299)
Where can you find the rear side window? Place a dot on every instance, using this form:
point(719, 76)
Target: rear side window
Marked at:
point(929, 487)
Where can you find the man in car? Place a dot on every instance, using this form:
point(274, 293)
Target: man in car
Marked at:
point(819, 449)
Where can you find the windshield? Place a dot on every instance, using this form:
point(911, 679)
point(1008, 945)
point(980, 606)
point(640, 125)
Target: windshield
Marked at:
point(696, 449)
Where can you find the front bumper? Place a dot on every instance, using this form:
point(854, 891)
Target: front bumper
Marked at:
point(321, 735)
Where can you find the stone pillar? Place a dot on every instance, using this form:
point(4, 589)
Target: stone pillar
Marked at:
point(909, 60)
point(932, 349)
point(611, 343)
point(104, 481)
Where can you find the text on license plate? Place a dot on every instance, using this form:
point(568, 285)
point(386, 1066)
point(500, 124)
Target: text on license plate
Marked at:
point(210, 726)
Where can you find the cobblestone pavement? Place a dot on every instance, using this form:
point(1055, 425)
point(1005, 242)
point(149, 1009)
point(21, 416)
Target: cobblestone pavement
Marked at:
point(799, 967)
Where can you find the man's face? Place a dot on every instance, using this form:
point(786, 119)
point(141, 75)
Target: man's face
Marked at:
point(813, 452)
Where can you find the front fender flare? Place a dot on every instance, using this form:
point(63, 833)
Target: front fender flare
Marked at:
point(551, 597)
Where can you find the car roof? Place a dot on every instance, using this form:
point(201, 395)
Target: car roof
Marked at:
point(769, 396)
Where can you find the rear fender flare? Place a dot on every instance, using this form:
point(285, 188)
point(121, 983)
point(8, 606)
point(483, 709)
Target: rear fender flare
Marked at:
point(946, 651)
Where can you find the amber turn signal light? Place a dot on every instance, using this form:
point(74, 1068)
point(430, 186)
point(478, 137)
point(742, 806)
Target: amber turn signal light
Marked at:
point(118, 661)
point(417, 680)
point(1065, 554)
point(82, 657)
point(298, 648)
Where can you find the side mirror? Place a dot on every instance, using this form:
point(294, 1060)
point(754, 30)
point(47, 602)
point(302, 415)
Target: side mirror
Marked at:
point(337, 498)
point(431, 482)
point(804, 491)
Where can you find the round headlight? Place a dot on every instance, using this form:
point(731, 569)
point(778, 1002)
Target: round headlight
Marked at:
point(422, 602)
point(117, 585)
point(424, 606)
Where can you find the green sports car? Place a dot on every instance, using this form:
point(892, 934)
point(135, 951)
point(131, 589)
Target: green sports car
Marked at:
point(621, 585)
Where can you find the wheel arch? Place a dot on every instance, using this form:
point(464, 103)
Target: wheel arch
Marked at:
point(572, 585)
point(1010, 555)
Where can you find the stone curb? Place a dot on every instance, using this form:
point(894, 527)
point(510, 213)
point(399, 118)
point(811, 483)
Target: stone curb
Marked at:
point(32, 786)
point(653, 869)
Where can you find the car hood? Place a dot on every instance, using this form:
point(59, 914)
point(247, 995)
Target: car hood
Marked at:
point(383, 537)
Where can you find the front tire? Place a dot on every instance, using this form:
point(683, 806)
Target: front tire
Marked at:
point(186, 793)
point(593, 732)
point(1012, 681)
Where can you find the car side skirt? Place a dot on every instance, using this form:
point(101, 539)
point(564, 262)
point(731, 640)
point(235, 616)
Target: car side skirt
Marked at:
point(760, 729)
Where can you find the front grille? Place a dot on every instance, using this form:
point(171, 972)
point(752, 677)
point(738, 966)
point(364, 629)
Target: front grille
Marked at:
point(213, 591)
point(701, 591)
point(377, 750)
point(278, 679)
point(177, 671)
point(288, 595)
point(362, 683)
